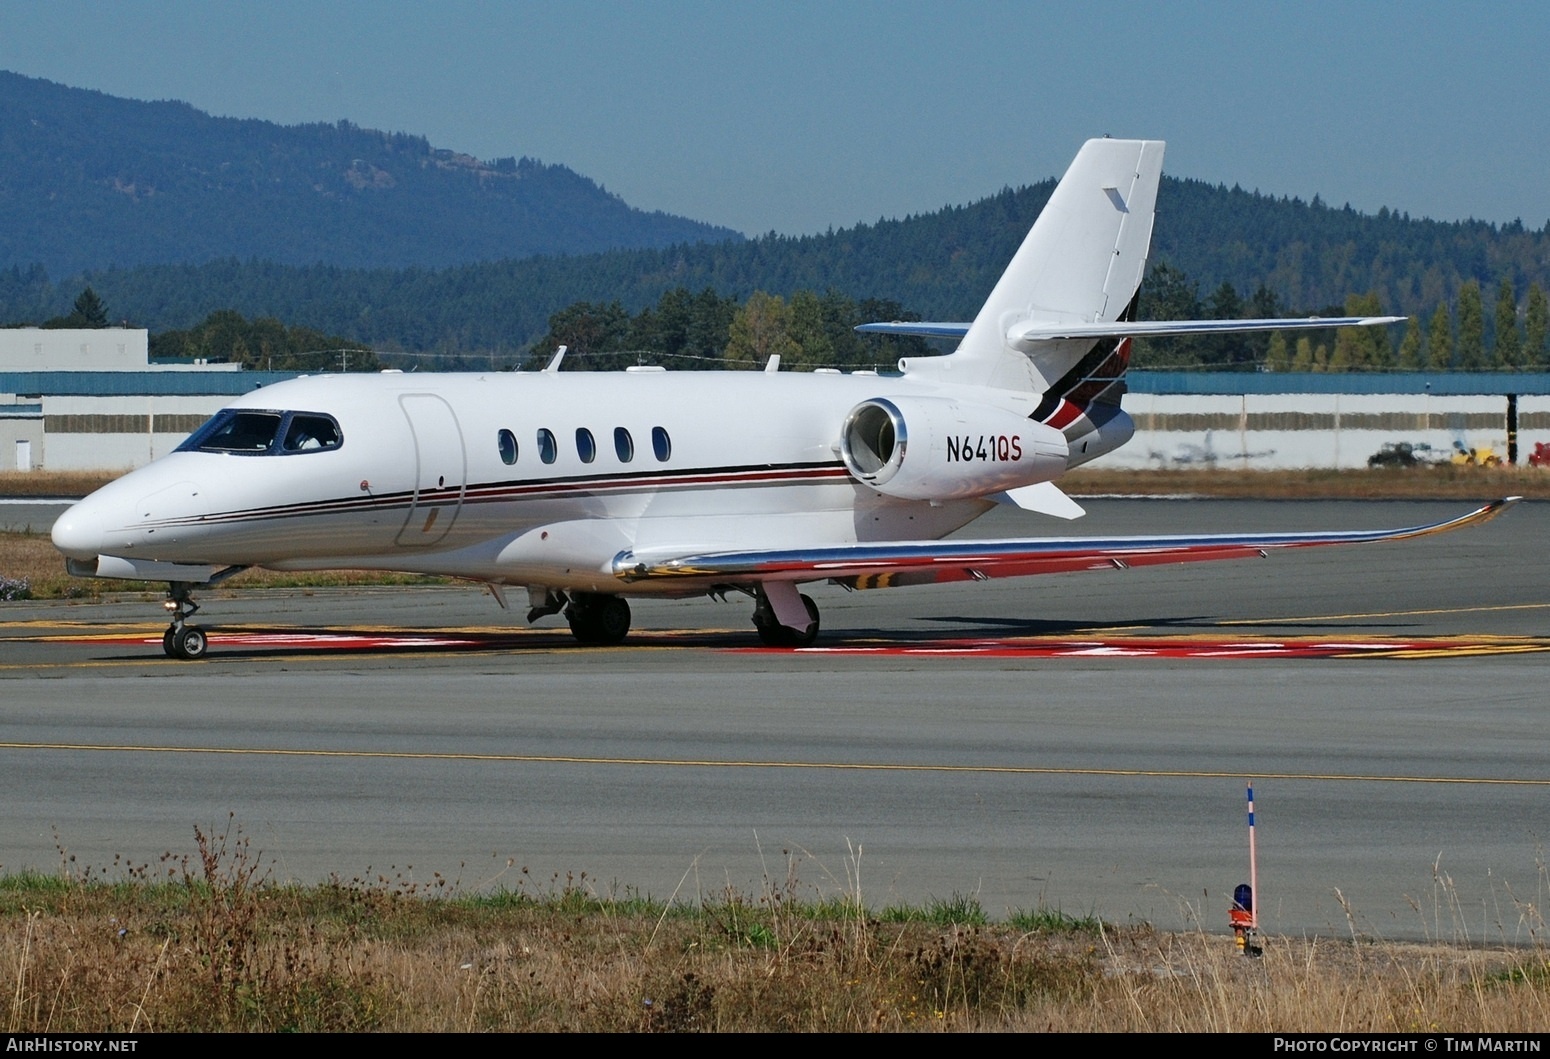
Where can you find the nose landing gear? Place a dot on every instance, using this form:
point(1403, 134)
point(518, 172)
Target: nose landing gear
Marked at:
point(182, 640)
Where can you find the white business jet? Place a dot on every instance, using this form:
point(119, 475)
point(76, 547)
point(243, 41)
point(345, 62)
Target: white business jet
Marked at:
point(588, 488)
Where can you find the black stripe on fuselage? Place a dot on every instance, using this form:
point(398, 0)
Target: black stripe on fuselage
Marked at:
point(747, 476)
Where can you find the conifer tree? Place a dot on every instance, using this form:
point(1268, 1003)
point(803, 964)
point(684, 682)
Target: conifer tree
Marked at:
point(1361, 347)
point(1411, 354)
point(1536, 321)
point(806, 327)
point(1439, 340)
point(1471, 345)
point(1509, 344)
point(1344, 356)
point(1303, 359)
point(1278, 358)
point(89, 311)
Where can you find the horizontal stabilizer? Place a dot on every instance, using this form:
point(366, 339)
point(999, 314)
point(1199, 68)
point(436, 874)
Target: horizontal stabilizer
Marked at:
point(1049, 331)
point(925, 329)
point(1042, 331)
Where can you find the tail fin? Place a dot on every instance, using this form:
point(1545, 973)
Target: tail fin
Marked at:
point(1081, 263)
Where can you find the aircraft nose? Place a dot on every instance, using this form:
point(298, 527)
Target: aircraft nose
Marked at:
point(78, 533)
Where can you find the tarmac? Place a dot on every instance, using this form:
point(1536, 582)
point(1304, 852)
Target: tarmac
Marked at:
point(1081, 742)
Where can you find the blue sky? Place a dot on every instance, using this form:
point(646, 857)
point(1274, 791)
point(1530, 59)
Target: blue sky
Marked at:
point(798, 116)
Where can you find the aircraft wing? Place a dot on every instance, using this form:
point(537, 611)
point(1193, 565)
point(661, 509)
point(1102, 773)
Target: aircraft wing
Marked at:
point(898, 563)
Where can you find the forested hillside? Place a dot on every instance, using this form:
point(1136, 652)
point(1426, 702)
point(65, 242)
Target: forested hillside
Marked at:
point(88, 180)
point(1309, 257)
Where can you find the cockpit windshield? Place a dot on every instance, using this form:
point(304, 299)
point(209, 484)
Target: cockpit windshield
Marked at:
point(264, 433)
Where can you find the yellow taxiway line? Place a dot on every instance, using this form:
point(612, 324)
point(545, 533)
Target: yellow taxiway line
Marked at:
point(840, 766)
point(1386, 614)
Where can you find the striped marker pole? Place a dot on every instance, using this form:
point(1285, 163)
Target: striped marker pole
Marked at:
point(1253, 866)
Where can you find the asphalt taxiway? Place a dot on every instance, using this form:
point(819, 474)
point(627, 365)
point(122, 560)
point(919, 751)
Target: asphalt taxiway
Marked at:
point(1080, 741)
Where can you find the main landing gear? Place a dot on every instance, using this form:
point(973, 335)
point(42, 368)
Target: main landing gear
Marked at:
point(182, 640)
point(773, 634)
point(598, 619)
point(602, 620)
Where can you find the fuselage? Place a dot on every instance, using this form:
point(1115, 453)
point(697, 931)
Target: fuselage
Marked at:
point(537, 479)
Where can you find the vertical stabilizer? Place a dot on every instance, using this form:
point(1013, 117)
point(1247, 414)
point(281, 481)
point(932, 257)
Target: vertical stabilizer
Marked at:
point(1081, 263)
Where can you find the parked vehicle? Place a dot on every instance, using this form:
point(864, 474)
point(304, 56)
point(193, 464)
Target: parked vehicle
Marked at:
point(1463, 456)
point(1403, 454)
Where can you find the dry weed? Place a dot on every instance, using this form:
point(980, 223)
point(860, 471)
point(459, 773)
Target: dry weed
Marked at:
point(208, 941)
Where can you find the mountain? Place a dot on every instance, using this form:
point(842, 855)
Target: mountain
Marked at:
point(89, 181)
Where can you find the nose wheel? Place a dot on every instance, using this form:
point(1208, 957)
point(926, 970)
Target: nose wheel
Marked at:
point(182, 640)
point(188, 643)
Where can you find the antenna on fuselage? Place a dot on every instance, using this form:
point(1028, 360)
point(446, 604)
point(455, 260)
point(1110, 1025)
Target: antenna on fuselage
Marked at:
point(554, 361)
point(773, 364)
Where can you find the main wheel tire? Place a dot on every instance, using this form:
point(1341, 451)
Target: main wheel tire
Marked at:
point(602, 620)
point(773, 634)
point(190, 643)
point(166, 642)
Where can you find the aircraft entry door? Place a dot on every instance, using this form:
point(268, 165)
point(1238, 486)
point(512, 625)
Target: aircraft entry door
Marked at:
point(440, 469)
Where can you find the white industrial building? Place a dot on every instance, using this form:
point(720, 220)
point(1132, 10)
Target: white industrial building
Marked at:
point(1291, 430)
point(90, 399)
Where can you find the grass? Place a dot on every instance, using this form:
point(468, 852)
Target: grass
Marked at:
point(54, 483)
point(959, 910)
point(31, 558)
point(209, 941)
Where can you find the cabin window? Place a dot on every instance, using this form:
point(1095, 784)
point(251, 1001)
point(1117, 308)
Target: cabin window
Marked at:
point(548, 449)
point(624, 445)
point(586, 447)
point(661, 444)
point(507, 442)
point(242, 432)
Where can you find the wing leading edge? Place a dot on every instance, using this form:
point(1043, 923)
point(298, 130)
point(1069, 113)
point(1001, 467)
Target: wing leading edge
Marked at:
point(898, 563)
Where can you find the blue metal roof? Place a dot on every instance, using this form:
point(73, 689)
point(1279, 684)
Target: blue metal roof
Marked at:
point(138, 383)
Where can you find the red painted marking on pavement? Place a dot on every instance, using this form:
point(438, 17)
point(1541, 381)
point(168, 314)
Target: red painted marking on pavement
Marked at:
point(1187, 647)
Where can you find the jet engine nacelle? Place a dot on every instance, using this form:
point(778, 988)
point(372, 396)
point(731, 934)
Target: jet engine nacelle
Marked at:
point(938, 448)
